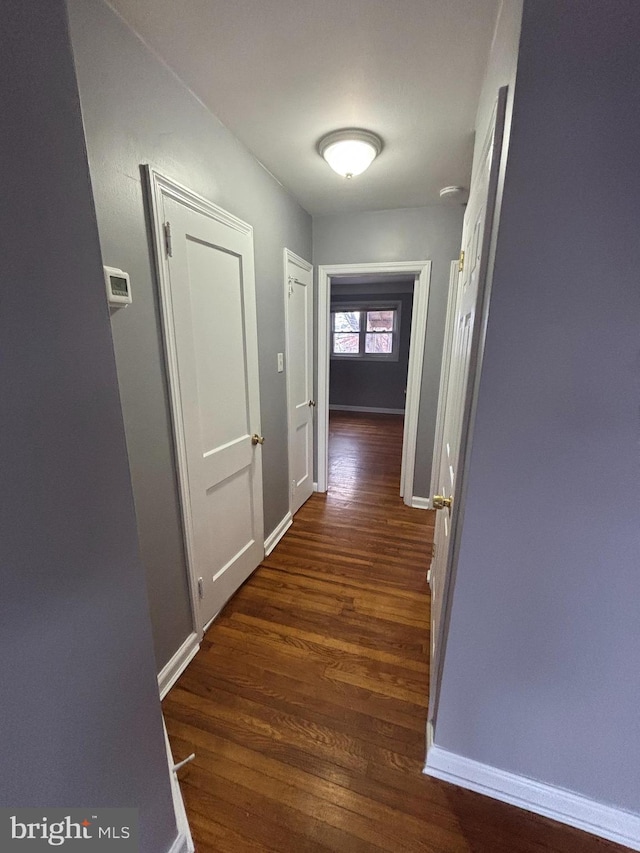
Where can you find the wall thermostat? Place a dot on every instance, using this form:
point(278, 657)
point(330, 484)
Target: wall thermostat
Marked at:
point(118, 286)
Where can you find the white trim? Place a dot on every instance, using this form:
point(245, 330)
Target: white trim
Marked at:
point(157, 185)
point(617, 825)
point(429, 735)
point(422, 272)
point(452, 299)
point(276, 535)
point(178, 192)
point(296, 259)
point(374, 409)
point(315, 486)
point(172, 670)
point(183, 842)
point(421, 503)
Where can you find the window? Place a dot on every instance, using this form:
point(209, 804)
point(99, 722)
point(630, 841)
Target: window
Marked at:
point(365, 331)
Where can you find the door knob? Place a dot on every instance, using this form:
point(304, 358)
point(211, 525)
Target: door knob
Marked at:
point(312, 403)
point(257, 439)
point(440, 502)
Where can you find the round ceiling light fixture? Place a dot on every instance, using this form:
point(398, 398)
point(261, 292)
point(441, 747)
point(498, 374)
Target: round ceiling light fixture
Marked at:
point(451, 192)
point(350, 151)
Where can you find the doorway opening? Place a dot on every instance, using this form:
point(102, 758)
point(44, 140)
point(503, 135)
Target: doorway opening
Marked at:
point(361, 312)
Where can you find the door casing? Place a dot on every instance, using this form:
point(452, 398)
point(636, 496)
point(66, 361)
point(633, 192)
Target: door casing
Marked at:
point(421, 270)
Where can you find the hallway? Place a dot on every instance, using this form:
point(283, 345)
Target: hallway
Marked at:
point(307, 703)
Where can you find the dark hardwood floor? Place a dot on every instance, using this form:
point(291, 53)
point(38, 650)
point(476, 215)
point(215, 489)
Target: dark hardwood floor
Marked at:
point(306, 705)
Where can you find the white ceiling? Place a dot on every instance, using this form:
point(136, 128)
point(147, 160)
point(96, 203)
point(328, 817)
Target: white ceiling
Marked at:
point(281, 73)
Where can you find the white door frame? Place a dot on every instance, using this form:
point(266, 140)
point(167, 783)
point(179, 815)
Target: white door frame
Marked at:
point(291, 257)
point(452, 298)
point(421, 270)
point(160, 187)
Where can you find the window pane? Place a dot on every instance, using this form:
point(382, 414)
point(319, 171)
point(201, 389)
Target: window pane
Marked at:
point(346, 321)
point(379, 342)
point(346, 343)
point(380, 321)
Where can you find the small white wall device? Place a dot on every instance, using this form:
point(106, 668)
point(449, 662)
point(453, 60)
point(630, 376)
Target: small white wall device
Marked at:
point(118, 286)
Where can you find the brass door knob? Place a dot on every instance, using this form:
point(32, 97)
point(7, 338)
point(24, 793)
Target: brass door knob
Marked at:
point(440, 502)
point(312, 403)
point(257, 439)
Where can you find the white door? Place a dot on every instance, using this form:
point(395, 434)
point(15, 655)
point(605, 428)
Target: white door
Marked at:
point(301, 405)
point(476, 235)
point(209, 317)
point(452, 305)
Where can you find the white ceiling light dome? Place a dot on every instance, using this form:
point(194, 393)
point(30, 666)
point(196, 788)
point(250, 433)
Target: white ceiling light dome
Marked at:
point(350, 151)
point(452, 192)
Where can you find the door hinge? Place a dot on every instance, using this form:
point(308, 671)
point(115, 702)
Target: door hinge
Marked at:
point(461, 262)
point(200, 588)
point(290, 286)
point(168, 246)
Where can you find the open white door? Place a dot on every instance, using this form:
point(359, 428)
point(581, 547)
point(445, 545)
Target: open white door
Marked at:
point(476, 237)
point(449, 324)
point(299, 333)
point(209, 317)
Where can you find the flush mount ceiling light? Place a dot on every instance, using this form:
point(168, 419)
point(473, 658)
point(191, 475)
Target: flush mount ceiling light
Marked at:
point(451, 192)
point(350, 151)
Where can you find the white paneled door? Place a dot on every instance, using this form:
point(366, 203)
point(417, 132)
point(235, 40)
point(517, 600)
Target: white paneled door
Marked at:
point(476, 236)
point(301, 404)
point(209, 313)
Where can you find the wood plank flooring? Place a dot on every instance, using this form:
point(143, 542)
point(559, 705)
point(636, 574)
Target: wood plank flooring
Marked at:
point(306, 705)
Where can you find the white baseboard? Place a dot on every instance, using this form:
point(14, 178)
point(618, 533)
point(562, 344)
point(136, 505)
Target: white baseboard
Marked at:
point(421, 503)
point(183, 842)
point(315, 487)
point(172, 671)
point(276, 535)
point(617, 825)
point(374, 409)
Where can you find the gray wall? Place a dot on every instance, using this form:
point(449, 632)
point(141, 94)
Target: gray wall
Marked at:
point(411, 234)
point(80, 709)
point(376, 384)
point(500, 70)
point(136, 111)
point(541, 668)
